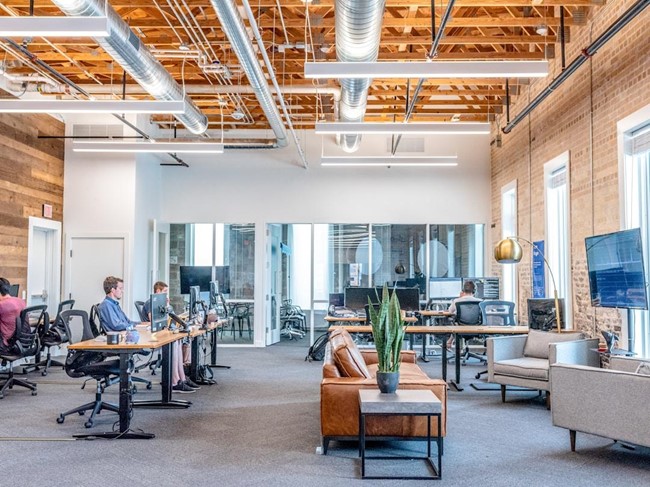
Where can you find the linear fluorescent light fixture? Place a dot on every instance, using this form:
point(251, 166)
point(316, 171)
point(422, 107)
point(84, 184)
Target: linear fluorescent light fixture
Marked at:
point(61, 26)
point(91, 106)
point(427, 69)
point(148, 147)
point(461, 128)
point(381, 161)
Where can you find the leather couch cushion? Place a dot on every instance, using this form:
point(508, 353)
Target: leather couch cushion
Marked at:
point(526, 368)
point(407, 371)
point(537, 343)
point(347, 357)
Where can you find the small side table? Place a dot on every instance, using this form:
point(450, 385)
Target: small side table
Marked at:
point(402, 403)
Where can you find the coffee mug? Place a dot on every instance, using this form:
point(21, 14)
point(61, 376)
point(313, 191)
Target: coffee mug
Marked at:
point(112, 338)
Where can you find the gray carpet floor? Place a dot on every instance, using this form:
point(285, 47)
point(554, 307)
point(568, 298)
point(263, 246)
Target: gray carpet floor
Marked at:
point(260, 426)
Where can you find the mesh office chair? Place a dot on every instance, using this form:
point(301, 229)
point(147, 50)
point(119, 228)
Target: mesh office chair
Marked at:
point(496, 313)
point(54, 337)
point(83, 363)
point(469, 313)
point(25, 343)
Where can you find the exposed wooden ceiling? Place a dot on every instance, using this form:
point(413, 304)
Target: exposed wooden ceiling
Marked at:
point(478, 29)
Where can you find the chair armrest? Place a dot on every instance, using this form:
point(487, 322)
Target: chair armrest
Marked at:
point(579, 352)
point(505, 347)
point(604, 402)
point(626, 364)
point(369, 356)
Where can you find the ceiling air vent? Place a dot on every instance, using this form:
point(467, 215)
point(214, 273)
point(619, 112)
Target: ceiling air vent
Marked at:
point(99, 131)
point(407, 144)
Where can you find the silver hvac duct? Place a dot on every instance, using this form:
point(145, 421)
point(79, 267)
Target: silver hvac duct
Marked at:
point(233, 26)
point(125, 47)
point(358, 32)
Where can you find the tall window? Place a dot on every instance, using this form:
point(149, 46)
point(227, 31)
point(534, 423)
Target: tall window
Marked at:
point(509, 229)
point(637, 199)
point(557, 229)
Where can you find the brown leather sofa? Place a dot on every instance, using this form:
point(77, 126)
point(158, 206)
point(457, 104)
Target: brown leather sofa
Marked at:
point(346, 369)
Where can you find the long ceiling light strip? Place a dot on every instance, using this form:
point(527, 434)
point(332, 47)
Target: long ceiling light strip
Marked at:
point(381, 161)
point(459, 128)
point(426, 69)
point(53, 26)
point(91, 106)
point(148, 147)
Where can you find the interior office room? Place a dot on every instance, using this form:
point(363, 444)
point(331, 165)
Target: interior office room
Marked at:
point(286, 214)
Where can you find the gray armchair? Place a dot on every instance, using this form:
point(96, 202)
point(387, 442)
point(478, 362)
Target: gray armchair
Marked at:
point(612, 403)
point(523, 360)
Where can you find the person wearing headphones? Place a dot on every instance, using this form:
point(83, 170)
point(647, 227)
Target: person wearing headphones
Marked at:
point(466, 296)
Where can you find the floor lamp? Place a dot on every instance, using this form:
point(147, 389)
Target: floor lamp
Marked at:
point(508, 251)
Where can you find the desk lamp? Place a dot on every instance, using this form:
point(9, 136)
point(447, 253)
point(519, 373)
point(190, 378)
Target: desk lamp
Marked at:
point(508, 251)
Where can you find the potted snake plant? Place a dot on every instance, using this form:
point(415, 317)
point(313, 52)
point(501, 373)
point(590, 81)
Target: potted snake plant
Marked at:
point(388, 333)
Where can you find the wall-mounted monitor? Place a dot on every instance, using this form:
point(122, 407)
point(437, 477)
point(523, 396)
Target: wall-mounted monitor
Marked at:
point(195, 276)
point(616, 270)
point(444, 287)
point(158, 311)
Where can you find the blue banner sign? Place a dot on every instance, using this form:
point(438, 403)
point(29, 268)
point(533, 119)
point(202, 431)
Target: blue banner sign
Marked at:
point(539, 274)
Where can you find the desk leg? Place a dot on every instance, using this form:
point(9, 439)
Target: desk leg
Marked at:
point(125, 409)
point(444, 357)
point(456, 383)
point(166, 401)
point(213, 352)
point(424, 348)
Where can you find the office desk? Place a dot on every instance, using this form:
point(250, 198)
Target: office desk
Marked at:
point(431, 315)
point(362, 319)
point(125, 350)
point(446, 331)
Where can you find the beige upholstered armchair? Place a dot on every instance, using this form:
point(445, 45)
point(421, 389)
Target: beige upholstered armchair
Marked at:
point(523, 360)
point(612, 403)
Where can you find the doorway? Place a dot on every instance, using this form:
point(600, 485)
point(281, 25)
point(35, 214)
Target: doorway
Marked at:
point(44, 263)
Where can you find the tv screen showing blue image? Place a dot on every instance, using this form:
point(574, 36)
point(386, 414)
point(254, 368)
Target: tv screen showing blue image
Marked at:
point(616, 270)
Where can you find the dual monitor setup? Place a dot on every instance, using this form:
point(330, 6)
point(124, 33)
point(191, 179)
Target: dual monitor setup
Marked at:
point(200, 279)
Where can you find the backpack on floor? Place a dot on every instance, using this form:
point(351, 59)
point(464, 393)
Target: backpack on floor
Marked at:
point(317, 350)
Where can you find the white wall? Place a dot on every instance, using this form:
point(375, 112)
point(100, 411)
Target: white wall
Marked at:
point(119, 194)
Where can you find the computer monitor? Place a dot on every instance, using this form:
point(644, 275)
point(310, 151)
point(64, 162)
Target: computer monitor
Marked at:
point(214, 294)
point(158, 311)
point(14, 289)
point(337, 299)
point(541, 314)
point(409, 298)
point(444, 287)
point(195, 298)
point(195, 276)
point(357, 297)
point(486, 287)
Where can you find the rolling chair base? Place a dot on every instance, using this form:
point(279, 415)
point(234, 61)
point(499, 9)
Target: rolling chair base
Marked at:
point(97, 406)
point(12, 381)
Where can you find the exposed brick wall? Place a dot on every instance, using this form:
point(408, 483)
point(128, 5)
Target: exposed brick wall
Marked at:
point(604, 90)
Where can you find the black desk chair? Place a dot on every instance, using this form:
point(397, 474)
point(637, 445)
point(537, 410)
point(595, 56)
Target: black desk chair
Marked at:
point(54, 337)
point(496, 313)
point(469, 313)
point(25, 343)
point(84, 363)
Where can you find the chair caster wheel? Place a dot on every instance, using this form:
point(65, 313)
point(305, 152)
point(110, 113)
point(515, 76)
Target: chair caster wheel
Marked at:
point(88, 424)
point(82, 413)
point(134, 390)
point(477, 376)
point(34, 393)
point(60, 419)
point(149, 386)
point(44, 373)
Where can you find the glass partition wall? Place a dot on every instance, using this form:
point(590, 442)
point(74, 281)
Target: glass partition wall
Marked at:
point(230, 250)
point(324, 259)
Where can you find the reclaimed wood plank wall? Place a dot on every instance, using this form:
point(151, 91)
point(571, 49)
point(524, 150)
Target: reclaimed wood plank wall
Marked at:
point(31, 174)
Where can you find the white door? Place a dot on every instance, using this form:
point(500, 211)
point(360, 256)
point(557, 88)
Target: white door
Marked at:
point(89, 261)
point(44, 263)
point(274, 294)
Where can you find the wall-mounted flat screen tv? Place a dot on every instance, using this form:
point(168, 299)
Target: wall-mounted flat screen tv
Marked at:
point(616, 270)
point(195, 276)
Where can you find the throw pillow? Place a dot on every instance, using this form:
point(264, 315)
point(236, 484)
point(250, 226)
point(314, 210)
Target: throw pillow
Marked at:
point(347, 357)
point(643, 368)
point(538, 342)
